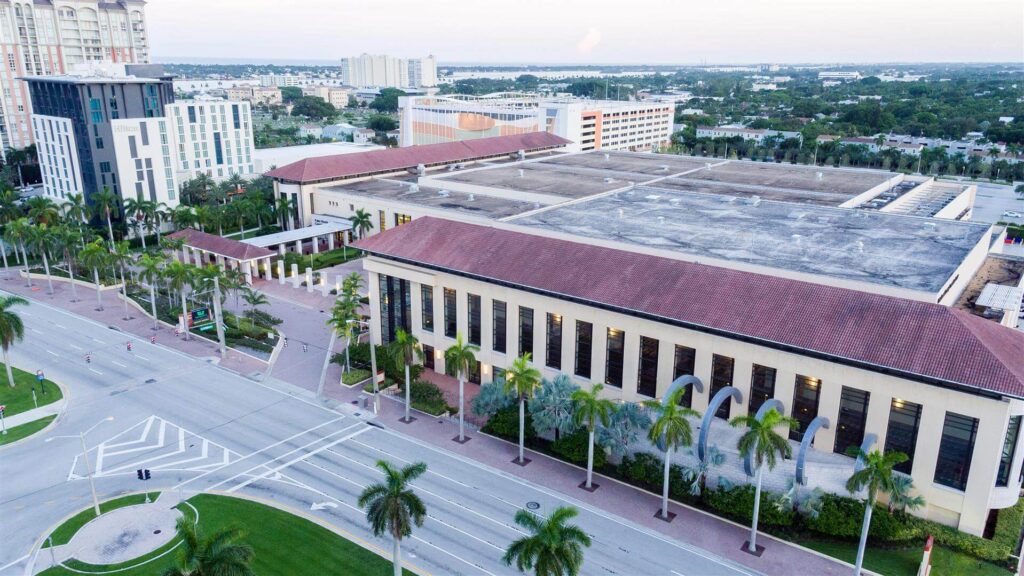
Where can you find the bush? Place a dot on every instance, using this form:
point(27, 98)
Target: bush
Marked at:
point(359, 355)
point(262, 318)
point(573, 448)
point(505, 424)
point(1008, 525)
point(355, 376)
point(645, 470)
point(738, 504)
point(426, 396)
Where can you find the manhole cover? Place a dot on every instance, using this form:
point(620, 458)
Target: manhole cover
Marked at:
point(151, 381)
point(533, 505)
point(157, 531)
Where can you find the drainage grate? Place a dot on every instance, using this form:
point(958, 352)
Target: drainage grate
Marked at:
point(533, 505)
point(151, 381)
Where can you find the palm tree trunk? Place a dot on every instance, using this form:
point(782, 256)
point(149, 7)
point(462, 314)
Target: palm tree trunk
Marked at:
point(3, 252)
point(24, 256)
point(7, 365)
point(46, 267)
point(863, 539)
point(143, 239)
point(665, 483)
point(522, 427)
point(752, 545)
point(124, 292)
point(99, 295)
point(348, 342)
point(152, 305)
point(184, 313)
point(408, 392)
point(590, 459)
point(71, 275)
point(158, 231)
point(462, 395)
point(397, 557)
point(110, 230)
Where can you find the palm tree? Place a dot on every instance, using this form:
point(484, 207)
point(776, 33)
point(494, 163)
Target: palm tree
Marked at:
point(254, 299)
point(9, 209)
point(121, 257)
point(461, 356)
point(522, 379)
point(76, 209)
point(362, 222)
point(286, 207)
point(182, 216)
point(66, 239)
point(40, 238)
point(392, 506)
point(671, 429)
point(12, 329)
point(405, 349)
point(95, 255)
point(136, 212)
point(591, 410)
point(552, 547)
point(151, 273)
point(200, 216)
point(765, 445)
point(344, 320)
point(107, 202)
point(876, 476)
point(16, 233)
point(42, 210)
point(160, 213)
point(179, 274)
point(216, 555)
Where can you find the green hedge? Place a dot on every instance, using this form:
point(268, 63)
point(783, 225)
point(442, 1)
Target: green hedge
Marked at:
point(645, 470)
point(738, 504)
point(505, 424)
point(1008, 525)
point(359, 355)
point(355, 376)
point(573, 447)
point(427, 397)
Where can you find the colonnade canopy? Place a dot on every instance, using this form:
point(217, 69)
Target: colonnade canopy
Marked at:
point(298, 234)
point(226, 247)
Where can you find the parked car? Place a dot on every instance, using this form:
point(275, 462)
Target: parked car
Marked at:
point(1012, 214)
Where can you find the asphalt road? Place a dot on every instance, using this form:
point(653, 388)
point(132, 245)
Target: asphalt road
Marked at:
point(198, 427)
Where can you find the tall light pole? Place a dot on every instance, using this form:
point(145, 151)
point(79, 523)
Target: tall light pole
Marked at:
point(373, 363)
point(85, 457)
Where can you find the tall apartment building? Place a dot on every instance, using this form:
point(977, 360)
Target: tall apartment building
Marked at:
point(589, 124)
point(279, 80)
point(212, 137)
point(47, 37)
point(334, 95)
point(270, 95)
point(382, 71)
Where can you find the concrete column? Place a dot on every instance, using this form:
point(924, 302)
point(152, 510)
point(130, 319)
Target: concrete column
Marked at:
point(281, 250)
point(324, 287)
point(197, 257)
point(337, 284)
point(344, 238)
point(295, 275)
point(184, 255)
point(247, 270)
point(309, 279)
point(316, 244)
point(280, 272)
point(330, 241)
point(221, 263)
point(266, 268)
point(298, 246)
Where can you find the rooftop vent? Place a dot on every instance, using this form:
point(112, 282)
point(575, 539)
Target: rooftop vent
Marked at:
point(607, 157)
point(421, 169)
point(521, 172)
point(443, 193)
point(664, 167)
point(819, 176)
point(471, 197)
point(608, 180)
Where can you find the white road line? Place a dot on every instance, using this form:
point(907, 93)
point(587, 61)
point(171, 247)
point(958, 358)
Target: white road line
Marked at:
point(36, 331)
point(118, 363)
point(97, 340)
point(76, 347)
point(52, 352)
point(96, 371)
point(141, 357)
point(19, 560)
point(61, 326)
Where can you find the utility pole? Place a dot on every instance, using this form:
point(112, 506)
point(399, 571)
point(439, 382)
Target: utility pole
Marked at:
point(217, 317)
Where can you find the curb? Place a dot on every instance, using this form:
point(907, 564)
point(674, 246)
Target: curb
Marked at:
point(66, 396)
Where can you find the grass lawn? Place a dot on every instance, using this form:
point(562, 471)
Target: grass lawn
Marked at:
point(19, 398)
point(889, 562)
point(64, 532)
point(284, 544)
point(25, 430)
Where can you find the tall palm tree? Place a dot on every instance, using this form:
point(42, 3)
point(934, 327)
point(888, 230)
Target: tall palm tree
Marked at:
point(362, 222)
point(522, 379)
point(179, 275)
point(344, 320)
point(40, 238)
point(591, 410)
point(217, 555)
point(182, 216)
point(66, 240)
point(765, 445)
point(876, 476)
point(121, 257)
point(76, 209)
point(151, 273)
point(16, 233)
point(201, 216)
point(461, 356)
point(106, 203)
point(95, 255)
point(12, 329)
point(160, 213)
point(254, 299)
point(42, 210)
point(405, 349)
point(9, 209)
point(671, 429)
point(392, 506)
point(136, 216)
point(552, 547)
point(285, 208)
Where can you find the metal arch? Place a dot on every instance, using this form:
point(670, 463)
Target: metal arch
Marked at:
point(748, 461)
point(805, 443)
point(705, 424)
point(869, 440)
point(678, 384)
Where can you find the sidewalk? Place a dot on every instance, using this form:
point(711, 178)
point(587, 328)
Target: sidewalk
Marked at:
point(51, 409)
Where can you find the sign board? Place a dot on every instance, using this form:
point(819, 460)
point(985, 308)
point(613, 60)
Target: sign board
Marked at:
point(926, 559)
point(380, 376)
point(199, 317)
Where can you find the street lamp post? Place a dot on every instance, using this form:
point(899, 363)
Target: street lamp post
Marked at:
point(85, 457)
point(373, 364)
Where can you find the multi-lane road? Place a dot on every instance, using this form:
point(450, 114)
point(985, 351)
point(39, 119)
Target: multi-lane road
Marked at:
point(198, 427)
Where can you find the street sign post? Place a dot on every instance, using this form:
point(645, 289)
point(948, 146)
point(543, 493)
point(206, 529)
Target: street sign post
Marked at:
point(3, 426)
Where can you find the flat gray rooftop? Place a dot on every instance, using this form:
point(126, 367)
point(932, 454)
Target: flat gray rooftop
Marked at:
point(653, 165)
point(541, 178)
point(906, 252)
point(744, 191)
point(400, 190)
point(851, 181)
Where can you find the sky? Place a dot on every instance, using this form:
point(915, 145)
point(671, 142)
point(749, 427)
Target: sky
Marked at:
point(591, 31)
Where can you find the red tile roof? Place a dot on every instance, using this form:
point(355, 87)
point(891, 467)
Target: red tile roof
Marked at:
point(919, 340)
point(396, 159)
point(219, 245)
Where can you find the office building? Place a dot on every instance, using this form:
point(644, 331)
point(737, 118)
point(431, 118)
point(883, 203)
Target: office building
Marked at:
point(48, 37)
point(266, 95)
point(336, 96)
point(589, 124)
point(280, 80)
point(758, 135)
point(212, 137)
point(382, 71)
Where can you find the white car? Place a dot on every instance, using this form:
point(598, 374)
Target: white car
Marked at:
point(1012, 214)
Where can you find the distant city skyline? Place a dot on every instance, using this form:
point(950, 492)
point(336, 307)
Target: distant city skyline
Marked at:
point(578, 32)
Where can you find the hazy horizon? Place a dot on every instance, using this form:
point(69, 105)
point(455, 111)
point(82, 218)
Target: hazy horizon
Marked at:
point(578, 32)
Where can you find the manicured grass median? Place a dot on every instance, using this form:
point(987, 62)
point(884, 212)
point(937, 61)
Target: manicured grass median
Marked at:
point(19, 398)
point(25, 430)
point(64, 532)
point(905, 562)
point(284, 544)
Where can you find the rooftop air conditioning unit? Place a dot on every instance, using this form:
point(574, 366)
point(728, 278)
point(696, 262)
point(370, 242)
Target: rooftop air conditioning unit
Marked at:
point(608, 180)
point(607, 157)
point(471, 197)
point(521, 172)
point(442, 193)
point(421, 169)
point(819, 176)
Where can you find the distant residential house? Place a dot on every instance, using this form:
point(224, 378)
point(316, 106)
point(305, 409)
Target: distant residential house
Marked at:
point(338, 131)
point(307, 130)
point(758, 135)
point(363, 136)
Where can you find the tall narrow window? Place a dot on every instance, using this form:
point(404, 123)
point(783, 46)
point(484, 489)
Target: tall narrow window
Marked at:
point(805, 404)
point(613, 359)
point(427, 305)
point(721, 377)
point(584, 348)
point(553, 356)
point(901, 435)
point(473, 316)
point(956, 450)
point(395, 306)
point(853, 415)
point(647, 375)
point(428, 357)
point(525, 330)
point(762, 387)
point(1009, 447)
point(382, 221)
point(684, 364)
point(498, 330)
point(450, 324)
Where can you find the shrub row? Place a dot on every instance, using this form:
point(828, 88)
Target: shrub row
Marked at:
point(359, 355)
point(505, 424)
point(427, 397)
point(573, 447)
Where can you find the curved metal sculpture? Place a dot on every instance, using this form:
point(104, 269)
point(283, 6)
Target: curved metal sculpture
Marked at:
point(869, 439)
point(805, 443)
point(748, 462)
point(705, 424)
point(677, 384)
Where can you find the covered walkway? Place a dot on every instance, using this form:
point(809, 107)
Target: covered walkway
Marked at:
point(328, 231)
point(200, 248)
